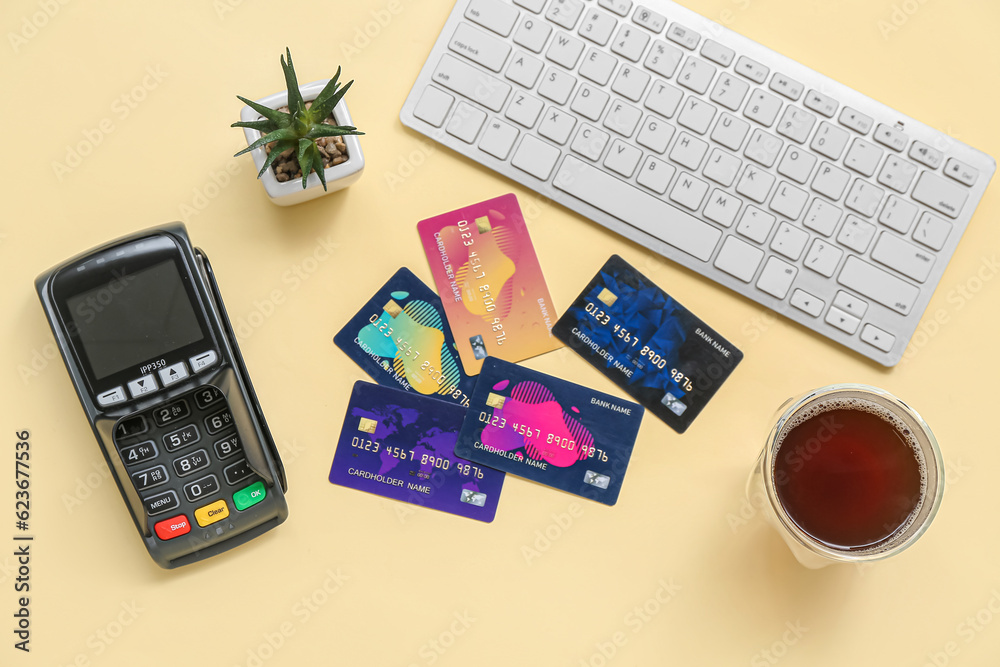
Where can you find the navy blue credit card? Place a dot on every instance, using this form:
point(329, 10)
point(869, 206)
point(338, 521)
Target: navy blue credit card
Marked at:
point(401, 445)
point(549, 430)
point(402, 340)
point(651, 346)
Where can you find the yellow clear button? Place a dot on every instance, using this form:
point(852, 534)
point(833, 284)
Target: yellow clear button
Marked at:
point(209, 514)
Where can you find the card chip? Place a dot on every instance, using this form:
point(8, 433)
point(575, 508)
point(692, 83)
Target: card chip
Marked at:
point(674, 404)
point(473, 498)
point(495, 400)
point(607, 297)
point(392, 308)
point(483, 225)
point(596, 479)
point(367, 425)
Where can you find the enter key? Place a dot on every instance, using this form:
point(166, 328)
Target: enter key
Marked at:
point(903, 256)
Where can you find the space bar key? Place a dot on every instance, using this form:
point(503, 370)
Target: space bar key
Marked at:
point(634, 207)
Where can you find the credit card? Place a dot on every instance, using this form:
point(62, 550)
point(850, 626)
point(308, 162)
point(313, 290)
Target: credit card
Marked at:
point(401, 339)
point(654, 348)
point(490, 282)
point(550, 431)
point(401, 445)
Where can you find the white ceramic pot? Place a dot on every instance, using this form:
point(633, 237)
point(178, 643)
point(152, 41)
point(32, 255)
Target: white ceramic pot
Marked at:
point(338, 176)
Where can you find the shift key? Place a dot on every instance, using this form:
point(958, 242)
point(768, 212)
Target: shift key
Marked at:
point(471, 82)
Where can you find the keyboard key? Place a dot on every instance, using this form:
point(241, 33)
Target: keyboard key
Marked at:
point(843, 321)
point(722, 167)
point(556, 125)
point(597, 27)
point(630, 82)
point(831, 181)
point(565, 50)
point(898, 214)
point(619, 7)
point(696, 75)
point(878, 285)
point(492, 14)
point(535, 157)
point(696, 115)
point(717, 53)
point(897, 173)
point(590, 142)
point(524, 69)
point(688, 151)
point(722, 208)
point(751, 69)
point(908, 259)
point(822, 217)
point(932, 231)
point(471, 82)
point(663, 99)
point(807, 303)
point(821, 104)
point(796, 164)
point(556, 85)
point(466, 122)
point(762, 107)
point(856, 234)
point(498, 139)
point(872, 335)
point(479, 47)
point(433, 106)
point(864, 197)
point(891, 137)
point(790, 241)
point(823, 258)
point(634, 207)
point(925, 155)
point(622, 118)
point(730, 132)
point(630, 42)
point(689, 191)
point(532, 34)
point(684, 36)
point(776, 278)
point(789, 201)
point(941, 195)
point(755, 224)
point(850, 304)
point(589, 102)
point(755, 183)
point(796, 124)
point(649, 19)
point(663, 58)
point(655, 134)
point(739, 259)
point(763, 148)
point(729, 91)
point(623, 158)
point(787, 86)
point(564, 13)
point(855, 120)
point(524, 109)
point(598, 66)
point(829, 141)
point(655, 175)
point(863, 157)
point(961, 172)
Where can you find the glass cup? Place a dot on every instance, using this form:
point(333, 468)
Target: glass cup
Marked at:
point(808, 409)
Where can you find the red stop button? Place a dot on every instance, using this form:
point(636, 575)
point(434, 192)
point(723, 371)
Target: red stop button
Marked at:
point(173, 527)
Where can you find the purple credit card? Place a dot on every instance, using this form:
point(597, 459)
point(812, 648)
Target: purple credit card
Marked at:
point(401, 445)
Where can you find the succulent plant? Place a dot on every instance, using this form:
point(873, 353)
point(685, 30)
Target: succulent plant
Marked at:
point(301, 126)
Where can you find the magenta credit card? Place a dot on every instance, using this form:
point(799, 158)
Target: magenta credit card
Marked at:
point(401, 445)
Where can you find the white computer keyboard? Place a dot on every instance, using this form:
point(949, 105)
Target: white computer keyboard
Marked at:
point(716, 152)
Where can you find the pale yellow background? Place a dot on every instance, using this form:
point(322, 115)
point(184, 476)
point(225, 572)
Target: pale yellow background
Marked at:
point(411, 576)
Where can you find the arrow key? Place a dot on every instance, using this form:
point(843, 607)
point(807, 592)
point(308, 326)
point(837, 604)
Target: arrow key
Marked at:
point(875, 336)
point(172, 374)
point(843, 321)
point(807, 303)
point(144, 385)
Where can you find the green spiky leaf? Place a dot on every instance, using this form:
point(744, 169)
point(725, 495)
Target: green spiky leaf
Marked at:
point(276, 151)
point(325, 130)
point(295, 103)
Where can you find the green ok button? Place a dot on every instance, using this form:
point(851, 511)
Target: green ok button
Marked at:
point(249, 496)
